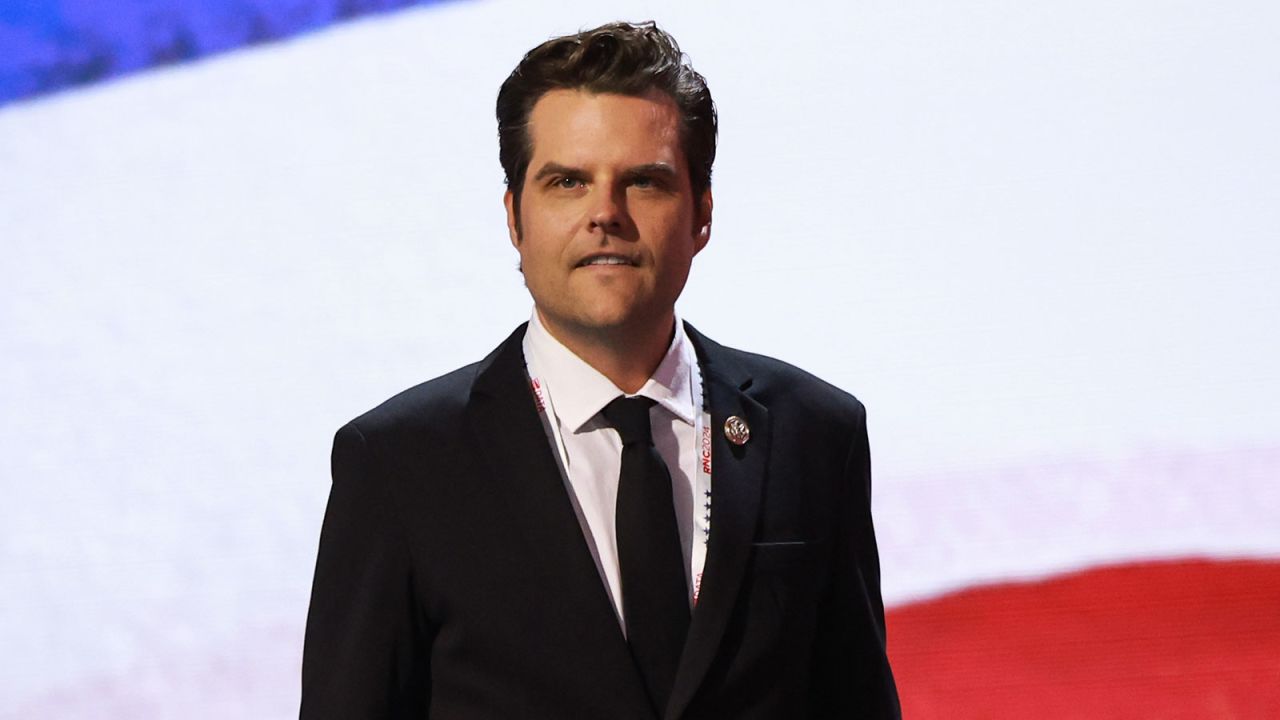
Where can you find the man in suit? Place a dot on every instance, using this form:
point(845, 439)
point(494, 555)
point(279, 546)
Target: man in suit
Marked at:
point(610, 516)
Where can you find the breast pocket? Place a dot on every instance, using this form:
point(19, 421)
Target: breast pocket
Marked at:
point(791, 569)
point(780, 599)
point(780, 556)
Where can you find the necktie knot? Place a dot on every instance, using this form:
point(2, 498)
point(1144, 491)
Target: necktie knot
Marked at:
point(630, 417)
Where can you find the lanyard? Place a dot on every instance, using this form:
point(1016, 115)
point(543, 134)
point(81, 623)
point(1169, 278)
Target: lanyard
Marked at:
point(702, 461)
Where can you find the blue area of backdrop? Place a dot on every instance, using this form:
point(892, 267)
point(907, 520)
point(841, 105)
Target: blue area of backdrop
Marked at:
point(46, 45)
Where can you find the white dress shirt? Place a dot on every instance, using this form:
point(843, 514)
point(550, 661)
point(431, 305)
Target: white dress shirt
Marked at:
point(572, 394)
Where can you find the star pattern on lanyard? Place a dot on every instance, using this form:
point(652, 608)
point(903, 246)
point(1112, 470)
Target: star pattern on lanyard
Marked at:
point(706, 516)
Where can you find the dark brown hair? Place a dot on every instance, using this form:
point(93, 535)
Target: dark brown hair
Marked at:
point(616, 58)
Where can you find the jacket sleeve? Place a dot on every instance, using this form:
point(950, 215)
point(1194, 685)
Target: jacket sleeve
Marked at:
point(851, 675)
point(363, 654)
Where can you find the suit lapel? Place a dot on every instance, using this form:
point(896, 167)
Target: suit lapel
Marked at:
point(737, 477)
point(508, 434)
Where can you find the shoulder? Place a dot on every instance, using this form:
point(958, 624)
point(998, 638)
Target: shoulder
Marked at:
point(400, 429)
point(779, 385)
point(775, 381)
point(437, 407)
point(433, 405)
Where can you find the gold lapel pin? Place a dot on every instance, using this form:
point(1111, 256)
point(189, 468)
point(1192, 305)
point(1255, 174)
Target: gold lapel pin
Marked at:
point(736, 430)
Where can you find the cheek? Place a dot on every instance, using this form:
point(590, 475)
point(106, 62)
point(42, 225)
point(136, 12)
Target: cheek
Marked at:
point(544, 231)
point(680, 246)
point(539, 254)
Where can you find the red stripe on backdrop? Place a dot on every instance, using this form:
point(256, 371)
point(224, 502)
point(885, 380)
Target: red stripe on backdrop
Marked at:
point(1187, 639)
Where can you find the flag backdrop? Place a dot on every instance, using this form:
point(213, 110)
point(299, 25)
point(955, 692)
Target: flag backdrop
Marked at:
point(1041, 241)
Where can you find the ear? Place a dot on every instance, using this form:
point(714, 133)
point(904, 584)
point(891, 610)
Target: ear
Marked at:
point(702, 223)
point(513, 222)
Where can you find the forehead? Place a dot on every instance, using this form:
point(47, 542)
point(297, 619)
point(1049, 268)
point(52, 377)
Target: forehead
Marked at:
point(572, 126)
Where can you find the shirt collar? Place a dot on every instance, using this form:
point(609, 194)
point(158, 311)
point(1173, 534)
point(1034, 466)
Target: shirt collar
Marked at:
point(579, 391)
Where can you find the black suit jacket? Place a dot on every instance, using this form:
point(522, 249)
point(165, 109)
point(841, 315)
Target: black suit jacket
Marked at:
point(453, 579)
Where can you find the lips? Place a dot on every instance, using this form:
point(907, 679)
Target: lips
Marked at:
point(605, 259)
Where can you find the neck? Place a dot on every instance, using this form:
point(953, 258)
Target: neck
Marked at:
point(627, 356)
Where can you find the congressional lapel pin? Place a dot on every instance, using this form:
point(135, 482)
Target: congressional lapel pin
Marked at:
point(736, 430)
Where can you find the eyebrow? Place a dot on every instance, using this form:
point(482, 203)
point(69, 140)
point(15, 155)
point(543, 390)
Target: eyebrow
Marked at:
point(658, 168)
point(556, 169)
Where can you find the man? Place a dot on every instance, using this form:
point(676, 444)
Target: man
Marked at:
point(610, 516)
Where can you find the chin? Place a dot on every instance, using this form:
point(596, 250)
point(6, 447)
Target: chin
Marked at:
point(606, 322)
point(606, 318)
point(610, 314)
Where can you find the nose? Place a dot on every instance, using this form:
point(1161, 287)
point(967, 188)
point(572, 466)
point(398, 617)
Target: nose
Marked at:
point(608, 210)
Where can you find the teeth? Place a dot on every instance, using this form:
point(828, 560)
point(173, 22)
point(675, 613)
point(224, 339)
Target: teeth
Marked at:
point(606, 261)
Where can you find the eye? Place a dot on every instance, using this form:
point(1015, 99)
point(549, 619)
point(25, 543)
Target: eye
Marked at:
point(567, 183)
point(643, 182)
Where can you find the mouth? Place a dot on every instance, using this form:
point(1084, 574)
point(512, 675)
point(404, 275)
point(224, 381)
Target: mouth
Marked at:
point(605, 259)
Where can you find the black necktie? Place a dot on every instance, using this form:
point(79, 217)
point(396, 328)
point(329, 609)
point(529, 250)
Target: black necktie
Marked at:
point(655, 597)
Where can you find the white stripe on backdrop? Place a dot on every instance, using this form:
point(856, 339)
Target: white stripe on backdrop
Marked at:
point(1039, 241)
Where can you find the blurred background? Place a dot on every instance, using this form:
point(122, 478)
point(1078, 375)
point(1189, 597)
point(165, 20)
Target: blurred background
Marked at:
point(1041, 242)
